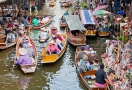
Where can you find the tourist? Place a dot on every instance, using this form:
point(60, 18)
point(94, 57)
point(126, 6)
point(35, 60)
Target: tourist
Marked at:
point(66, 12)
point(63, 20)
point(57, 42)
point(24, 43)
point(87, 49)
point(43, 36)
point(30, 50)
point(84, 65)
point(35, 22)
point(58, 36)
point(25, 22)
point(128, 45)
point(10, 38)
point(101, 78)
point(21, 25)
point(95, 65)
point(23, 58)
point(54, 30)
point(10, 25)
point(52, 48)
point(81, 53)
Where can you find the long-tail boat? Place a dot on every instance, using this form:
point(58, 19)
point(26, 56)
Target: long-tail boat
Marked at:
point(73, 27)
point(87, 82)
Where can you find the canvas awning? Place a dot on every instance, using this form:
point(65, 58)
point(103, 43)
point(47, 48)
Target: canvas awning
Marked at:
point(74, 23)
point(87, 17)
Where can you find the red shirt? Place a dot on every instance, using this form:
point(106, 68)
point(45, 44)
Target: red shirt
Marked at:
point(10, 25)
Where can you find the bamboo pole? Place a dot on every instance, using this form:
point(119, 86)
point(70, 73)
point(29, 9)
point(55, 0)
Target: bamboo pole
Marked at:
point(30, 7)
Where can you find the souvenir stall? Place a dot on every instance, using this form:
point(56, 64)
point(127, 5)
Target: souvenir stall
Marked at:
point(118, 67)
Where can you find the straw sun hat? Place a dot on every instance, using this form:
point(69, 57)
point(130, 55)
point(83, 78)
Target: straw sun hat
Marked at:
point(22, 51)
point(53, 27)
point(43, 29)
point(52, 42)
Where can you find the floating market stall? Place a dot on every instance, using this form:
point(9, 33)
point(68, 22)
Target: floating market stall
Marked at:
point(89, 22)
point(119, 67)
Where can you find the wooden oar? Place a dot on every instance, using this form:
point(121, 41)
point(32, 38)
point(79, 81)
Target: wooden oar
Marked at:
point(13, 66)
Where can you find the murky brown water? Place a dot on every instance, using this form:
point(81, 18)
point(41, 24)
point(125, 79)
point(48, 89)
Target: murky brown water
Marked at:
point(60, 75)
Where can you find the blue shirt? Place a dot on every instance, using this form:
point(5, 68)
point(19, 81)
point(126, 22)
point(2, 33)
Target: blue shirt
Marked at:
point(66, 13)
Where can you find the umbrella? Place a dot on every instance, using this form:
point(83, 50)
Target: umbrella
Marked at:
point(100, 7)
point(100, 12)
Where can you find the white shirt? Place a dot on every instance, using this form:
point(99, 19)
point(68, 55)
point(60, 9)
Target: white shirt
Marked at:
point(110, 49)
point(21, 26)
point(58, 42)
point(44, 35)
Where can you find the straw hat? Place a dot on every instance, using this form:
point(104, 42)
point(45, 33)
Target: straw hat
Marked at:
point(118, 19)
point(107, 41)
point(43, 29)
point(29, 44)
point(22, 51)
point(51, 42)
point(53, 27)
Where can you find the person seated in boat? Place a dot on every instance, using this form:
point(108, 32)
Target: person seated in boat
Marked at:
point(30, 50)
point(10, 38)
point(45, 20)
point(54, 30)
point(52, 48)
point(15, 22)
point(106, 29)
point(87, 49)
point(35, 22)
point(10, 25)
point(81, 53)
point(25, 22)
point(15, 33)
point(21, 25)
point(95, 65)
point(66, 12)
point(58, 36)
point(84, 65)
point(101, 78)
point(23, 59)
point(63, 20)
point(57, 42)
point(24, 43)
point(44, 35)
point(100, 28)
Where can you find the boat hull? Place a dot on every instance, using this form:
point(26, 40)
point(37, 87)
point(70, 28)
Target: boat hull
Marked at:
point(28, 68)
point(53, 57)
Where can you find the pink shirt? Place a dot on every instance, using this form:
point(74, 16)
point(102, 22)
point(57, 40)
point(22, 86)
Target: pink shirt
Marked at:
point(52, 48)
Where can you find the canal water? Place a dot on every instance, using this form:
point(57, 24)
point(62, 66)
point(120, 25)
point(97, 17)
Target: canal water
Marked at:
point(61, 75)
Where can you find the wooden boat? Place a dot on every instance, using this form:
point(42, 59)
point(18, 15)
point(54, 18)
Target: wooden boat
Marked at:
point(3, 45)
point(51, 3)
point(91, 33)
point(88, 22)
point(79, 39)
point(65, 4)
point(103, 34)
point(53, 57)
point(44, 24)
point(90, 86)
point(28, 68)
point(63, 24)
point(76, 40)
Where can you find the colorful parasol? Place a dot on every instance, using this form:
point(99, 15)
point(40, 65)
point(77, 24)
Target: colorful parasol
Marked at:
point(100, 7)
point(101, 12)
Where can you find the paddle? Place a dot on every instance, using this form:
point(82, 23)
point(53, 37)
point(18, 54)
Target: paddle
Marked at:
point(13, 66)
